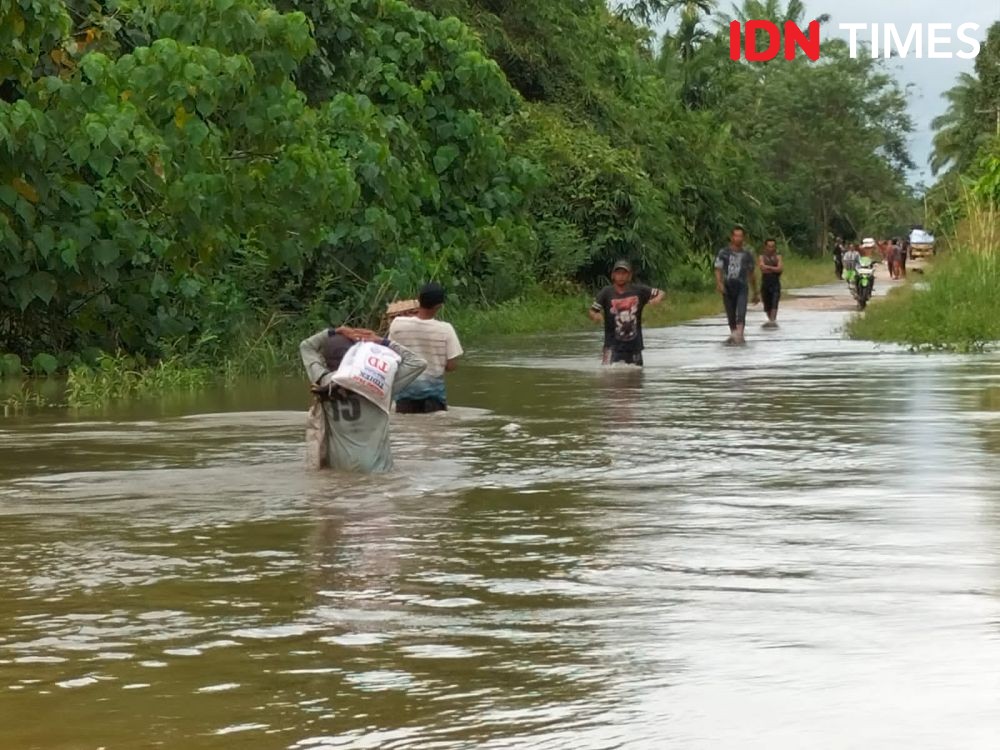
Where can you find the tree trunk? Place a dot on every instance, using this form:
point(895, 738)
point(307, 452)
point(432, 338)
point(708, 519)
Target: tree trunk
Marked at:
point(824, 220)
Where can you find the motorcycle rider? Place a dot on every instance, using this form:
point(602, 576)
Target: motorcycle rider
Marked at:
point(850, 261)
point(868, 246)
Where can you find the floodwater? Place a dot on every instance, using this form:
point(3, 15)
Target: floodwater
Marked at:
point(795, 544)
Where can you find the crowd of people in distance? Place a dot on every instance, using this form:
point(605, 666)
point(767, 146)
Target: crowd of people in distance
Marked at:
point(894, 253)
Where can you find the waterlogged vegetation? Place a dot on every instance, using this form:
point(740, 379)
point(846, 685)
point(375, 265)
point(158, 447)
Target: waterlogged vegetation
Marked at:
point(191, 187)
point(957, 308)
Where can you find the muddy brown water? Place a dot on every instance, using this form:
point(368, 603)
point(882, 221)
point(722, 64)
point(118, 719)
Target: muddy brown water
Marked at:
point(795, 544)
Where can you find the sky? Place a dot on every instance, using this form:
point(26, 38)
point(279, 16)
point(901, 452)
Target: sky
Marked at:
point(929, 78)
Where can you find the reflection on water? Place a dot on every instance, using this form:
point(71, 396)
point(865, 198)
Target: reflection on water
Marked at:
point(793, 544)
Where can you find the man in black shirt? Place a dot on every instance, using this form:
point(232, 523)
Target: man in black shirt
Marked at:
point(620, 307)
point(734, 278)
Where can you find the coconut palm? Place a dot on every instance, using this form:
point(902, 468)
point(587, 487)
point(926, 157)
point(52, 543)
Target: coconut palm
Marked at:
point(647, 11)
point(956, 140)
point(766, 10)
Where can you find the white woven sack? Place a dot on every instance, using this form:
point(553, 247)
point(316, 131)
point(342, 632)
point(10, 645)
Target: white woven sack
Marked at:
point(369, 369)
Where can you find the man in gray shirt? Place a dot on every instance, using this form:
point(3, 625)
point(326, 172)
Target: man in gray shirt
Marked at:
point(357, 431)
point(734, 277)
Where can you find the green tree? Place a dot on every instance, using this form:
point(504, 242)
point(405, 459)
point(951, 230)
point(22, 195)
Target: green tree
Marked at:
point(973, 114)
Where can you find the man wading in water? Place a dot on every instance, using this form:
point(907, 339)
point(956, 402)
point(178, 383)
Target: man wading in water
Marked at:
point(620, 306)
point(435, 341)
point(771, 267)
point(357, 430)
point(734, 277)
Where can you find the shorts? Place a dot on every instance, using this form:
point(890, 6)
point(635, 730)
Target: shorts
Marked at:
point(627, 356)
point(420, 406)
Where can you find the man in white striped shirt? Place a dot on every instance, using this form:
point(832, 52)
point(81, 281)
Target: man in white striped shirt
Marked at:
point(434, 341)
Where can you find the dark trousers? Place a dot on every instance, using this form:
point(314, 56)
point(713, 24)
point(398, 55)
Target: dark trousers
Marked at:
point(420, 406)
point(735, 300)
point(770, 293)
point(628, 356)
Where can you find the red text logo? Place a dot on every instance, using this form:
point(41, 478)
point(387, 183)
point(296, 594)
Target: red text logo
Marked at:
point(378, 364)
point(794, 37)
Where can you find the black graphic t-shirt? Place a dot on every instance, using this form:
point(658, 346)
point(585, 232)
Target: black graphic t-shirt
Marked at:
point(623, 315)
point(736, 266)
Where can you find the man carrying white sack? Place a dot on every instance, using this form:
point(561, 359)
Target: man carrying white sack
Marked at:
point(353, 434)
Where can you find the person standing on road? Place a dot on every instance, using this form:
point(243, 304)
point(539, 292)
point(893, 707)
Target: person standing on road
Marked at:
point(838, 258)
point(734, 278)
point(898, 258)
point(620, 307)
point(437, 343)
point(771, 267)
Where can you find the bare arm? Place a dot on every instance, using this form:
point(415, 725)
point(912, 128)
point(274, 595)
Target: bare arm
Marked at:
point(781, 265)
point(451, 365)
point(718, 281)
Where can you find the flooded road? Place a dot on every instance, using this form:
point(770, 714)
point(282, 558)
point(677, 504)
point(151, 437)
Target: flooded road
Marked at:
point(795, 544)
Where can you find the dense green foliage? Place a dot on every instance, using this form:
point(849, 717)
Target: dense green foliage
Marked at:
point(183, 180)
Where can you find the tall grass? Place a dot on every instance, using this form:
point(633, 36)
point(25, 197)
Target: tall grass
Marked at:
point(25, 398)
point(959, 310)
point(119, 377)
point(803, 272)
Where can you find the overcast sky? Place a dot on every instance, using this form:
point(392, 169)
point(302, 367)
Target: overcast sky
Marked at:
point(930, 78)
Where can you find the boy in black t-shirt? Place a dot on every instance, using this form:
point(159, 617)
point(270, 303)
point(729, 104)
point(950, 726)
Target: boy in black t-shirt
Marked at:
point(620, 307)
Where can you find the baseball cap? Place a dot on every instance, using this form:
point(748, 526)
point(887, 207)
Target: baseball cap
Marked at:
point(623, 265)
point(867, 242)
point(431, 295)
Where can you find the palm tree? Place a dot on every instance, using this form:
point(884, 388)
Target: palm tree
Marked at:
point(648, 10)
point(766, 10)
point(955, 140)
point(681, 46)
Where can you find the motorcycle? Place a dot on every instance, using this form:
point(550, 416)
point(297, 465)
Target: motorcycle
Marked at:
point(862, 282)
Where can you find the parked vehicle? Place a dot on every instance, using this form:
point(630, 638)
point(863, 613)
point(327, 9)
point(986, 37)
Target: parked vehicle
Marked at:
point(921, 244)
